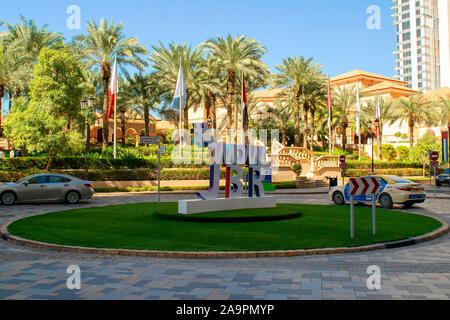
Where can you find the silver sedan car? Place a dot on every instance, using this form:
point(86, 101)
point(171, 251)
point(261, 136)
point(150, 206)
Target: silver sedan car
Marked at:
point(46, 187)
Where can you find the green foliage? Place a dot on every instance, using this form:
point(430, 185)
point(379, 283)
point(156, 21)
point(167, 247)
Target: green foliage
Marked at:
point(402, 153)
point(419, 152)
point(30, 125)
point(297, 169)
point(388, 152)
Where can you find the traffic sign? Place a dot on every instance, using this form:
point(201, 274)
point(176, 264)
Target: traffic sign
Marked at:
point(360, 186)
point(150, 140)
point(342, 159)
point(434, 156)
point(162, 150)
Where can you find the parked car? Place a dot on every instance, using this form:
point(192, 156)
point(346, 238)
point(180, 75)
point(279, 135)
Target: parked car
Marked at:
point(393, 190)
point(443, 178)
point(46, 187)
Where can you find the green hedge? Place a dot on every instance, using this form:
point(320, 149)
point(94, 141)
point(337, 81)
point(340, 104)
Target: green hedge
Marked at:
point(407, 172)
point(120, 174)
point(93, 163)
point(367, 164)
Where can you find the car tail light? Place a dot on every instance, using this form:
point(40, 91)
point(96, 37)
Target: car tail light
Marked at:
point(403, 188)
point(89, 185)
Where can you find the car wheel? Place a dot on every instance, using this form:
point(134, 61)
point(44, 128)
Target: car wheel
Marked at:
point(438, 183)
point(72, 197)
point(338, 198)
point(386, 201)
point(8, 198)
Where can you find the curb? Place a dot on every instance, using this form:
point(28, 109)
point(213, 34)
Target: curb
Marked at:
point(193, 192)
point(222, 254)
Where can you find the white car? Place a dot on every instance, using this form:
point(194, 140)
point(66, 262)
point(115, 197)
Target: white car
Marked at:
point(393, 190)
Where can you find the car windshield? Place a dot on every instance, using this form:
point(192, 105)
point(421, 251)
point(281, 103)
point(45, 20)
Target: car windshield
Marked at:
point(398, 179)
point(447, 171)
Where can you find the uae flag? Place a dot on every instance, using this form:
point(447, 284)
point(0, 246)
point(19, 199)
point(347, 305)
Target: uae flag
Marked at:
point(244, 104)
point(113, 90)
point(445, 144)
point(378, 117)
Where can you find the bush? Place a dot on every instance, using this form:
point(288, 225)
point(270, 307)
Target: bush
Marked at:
point(388, 152)
point(367, 164)
point(297, 169)
point(402, 153)
point(408, 172)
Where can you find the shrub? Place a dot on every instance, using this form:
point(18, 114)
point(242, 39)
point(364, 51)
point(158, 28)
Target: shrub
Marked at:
point(402, 153)
point(297, 169)
point(388, 152)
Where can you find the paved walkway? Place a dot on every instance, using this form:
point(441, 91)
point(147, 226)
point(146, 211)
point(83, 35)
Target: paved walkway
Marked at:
point(417, 272)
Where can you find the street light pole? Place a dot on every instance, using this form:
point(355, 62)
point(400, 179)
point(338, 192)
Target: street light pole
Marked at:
point(86, 106)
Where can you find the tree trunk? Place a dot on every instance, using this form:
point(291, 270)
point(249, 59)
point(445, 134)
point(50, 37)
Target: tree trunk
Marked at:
point(313, 131)
point(231, 78)
point(186, 112)
point(123, 128)
point(50, 161)
point(344, 136)
point(2, 94)
point(411, 134)
point(213, 109)
point(305, 124)
point(106, 75)
point(284, 136)
point(297, 95)
point(147, 120)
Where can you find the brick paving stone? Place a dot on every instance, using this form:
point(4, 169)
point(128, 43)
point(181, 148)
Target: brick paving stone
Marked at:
point(419, 272)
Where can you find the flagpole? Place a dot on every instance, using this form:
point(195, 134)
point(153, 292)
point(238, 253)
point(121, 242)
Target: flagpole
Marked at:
point(181, 117)
point(359, 124)
point(115, 110)
point(329, 115)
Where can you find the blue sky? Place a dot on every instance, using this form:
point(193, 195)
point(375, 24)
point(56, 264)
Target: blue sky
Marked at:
point(334, 32)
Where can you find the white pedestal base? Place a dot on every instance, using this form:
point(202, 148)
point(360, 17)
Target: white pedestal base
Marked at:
point(199, 206)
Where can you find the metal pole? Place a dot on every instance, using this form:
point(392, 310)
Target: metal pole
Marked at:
point(373, 135)
point(159, 174)
point(434, 180)
point(115, 111)
point(374, 215)
point(86, 177)
point(352, 222)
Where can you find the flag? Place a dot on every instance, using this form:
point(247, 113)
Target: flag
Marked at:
point(445, 145)
point(113, 90)
point(357, 111)
point(330, 109)
point(180, 91)
point(244, 104)
point(377, 117)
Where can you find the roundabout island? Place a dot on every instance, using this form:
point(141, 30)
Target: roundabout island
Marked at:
point(153, 228)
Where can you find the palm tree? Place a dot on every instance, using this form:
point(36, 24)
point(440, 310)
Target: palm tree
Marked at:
point(231, 55)
point(295, 73)
point(145, 94)
point(166, 62)
point(445, 111)
point(414, 110)
point(344, 99)
point(282, 117)
point(314, 97)
point(100, 46)
point(26, 40)
point(387, 110)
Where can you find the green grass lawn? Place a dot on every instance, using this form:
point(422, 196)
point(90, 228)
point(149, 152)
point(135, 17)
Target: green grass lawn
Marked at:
point(138, 226)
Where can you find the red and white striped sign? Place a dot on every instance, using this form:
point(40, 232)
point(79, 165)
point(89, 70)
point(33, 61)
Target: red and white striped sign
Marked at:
point(360, 186)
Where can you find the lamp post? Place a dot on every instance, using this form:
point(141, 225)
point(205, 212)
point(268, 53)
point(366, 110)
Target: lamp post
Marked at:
point(372, 135)
point(269, 112)
point(86, 106)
